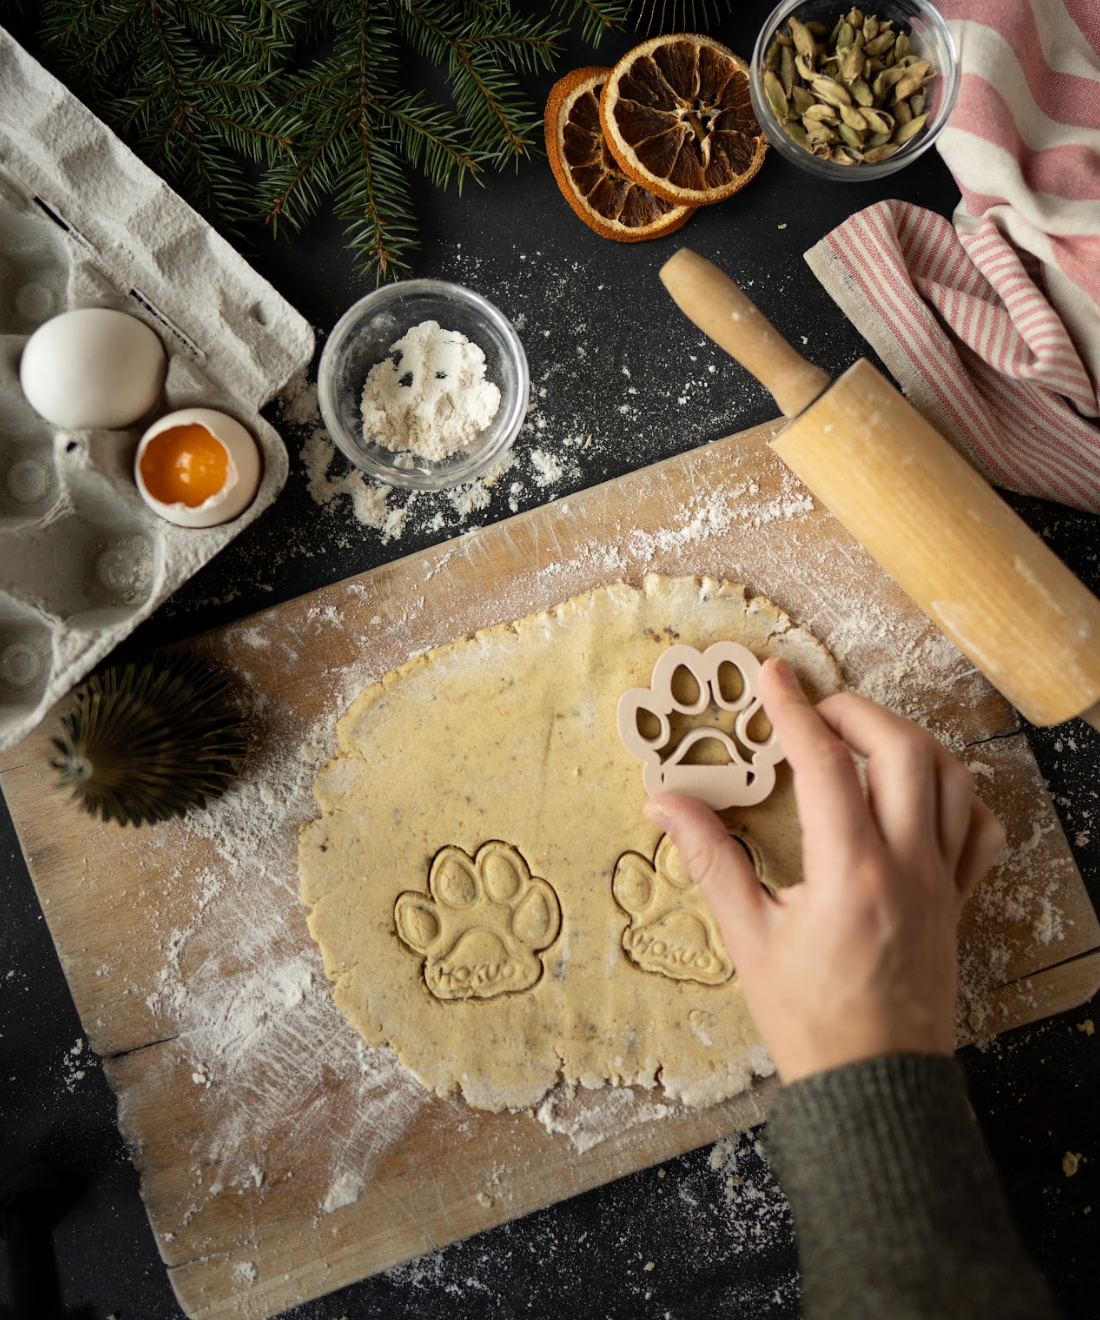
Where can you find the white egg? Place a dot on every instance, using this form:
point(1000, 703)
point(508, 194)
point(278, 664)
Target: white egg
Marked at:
point(197, 467)
point(93, 367)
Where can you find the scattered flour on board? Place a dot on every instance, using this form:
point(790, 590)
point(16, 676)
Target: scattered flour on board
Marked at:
point(591, 1119)
point(243, 986)
point(346, 1189)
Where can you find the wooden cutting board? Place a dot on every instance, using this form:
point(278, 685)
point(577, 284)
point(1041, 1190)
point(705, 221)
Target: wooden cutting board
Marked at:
point(279, 1158)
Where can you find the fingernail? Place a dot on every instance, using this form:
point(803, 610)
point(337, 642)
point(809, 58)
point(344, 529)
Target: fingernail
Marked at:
point(784, 672)
point(653, 812)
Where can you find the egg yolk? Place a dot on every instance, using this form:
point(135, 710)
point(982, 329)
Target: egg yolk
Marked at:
point(184, 465)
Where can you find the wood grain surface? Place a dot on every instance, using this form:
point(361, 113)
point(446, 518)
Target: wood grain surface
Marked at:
point(278, 1160)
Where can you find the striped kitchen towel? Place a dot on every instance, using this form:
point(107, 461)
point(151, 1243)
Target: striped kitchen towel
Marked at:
point(991, 324)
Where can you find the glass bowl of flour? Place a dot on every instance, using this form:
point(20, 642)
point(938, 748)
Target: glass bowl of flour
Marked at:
point(423, 384)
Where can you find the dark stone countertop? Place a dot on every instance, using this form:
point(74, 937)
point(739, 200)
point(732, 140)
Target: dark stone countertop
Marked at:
point(707, 1234)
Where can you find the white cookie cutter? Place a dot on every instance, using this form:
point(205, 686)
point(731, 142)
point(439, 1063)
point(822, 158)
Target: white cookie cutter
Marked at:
point(737, 782)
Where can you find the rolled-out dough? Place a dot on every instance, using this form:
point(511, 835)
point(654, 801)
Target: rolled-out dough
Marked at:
point(487, 895)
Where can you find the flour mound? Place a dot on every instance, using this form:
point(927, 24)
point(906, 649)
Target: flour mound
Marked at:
point(430, 396)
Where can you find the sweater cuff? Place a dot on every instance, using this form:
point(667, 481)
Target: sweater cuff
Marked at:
point(875, 1129)
point(894, 1194)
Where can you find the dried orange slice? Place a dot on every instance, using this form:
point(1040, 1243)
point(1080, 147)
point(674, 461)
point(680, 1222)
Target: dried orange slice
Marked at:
point(677, 117)
point(593, 184)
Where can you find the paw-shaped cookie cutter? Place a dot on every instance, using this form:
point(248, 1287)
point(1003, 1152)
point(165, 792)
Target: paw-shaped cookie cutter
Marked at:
point(483, 925)
point(737, 782)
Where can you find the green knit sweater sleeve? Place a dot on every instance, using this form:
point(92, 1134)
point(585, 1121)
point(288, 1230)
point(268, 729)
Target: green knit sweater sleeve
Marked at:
point(897, 1206)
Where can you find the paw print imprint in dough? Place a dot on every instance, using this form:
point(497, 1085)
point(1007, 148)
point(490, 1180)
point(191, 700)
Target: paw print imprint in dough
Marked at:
point(671, 930)
point(483, 927)
point(661, 725)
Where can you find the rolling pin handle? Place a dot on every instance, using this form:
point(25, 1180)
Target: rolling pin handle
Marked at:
point(711, 300)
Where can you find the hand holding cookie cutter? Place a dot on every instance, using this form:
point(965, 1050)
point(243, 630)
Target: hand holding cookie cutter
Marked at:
point(736, 782)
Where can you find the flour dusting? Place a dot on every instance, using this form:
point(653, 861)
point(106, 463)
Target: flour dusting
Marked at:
point(593, 1119)
point(345, 1190)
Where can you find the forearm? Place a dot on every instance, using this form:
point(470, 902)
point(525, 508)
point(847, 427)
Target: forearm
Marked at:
point(897, 1206)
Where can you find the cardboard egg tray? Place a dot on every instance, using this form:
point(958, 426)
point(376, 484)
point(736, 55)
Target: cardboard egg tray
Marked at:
point(83, 223)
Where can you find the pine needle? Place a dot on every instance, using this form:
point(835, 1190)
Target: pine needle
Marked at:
point(207, 90)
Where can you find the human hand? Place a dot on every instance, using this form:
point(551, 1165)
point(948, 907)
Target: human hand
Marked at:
point(859, 960)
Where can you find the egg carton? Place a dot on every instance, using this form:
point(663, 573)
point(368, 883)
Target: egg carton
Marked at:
point(83, 223)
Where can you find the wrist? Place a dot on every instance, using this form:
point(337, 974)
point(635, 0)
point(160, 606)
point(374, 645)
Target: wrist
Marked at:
point(822, 1052)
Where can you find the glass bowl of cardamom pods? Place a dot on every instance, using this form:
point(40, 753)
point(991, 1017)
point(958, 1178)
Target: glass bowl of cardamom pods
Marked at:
point(854, 94)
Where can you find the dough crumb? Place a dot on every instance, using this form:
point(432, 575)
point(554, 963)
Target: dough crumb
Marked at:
point(1071, 1162)
point(345, 1190)
point(1088, 1026)
point(245, 1271)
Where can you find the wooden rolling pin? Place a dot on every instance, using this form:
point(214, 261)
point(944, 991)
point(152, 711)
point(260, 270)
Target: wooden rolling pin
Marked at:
point(937, 527)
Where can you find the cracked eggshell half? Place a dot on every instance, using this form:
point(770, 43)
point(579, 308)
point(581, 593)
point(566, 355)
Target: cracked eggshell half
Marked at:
point(197, 467)
point(93, 368)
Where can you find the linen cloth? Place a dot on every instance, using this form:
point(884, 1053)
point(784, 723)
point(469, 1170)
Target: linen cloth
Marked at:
point(991, 323)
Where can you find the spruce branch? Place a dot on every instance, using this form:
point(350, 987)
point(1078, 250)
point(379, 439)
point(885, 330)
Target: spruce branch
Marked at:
point(596, 17)
point(184, 82)
point(315, 93)
point(352, 126)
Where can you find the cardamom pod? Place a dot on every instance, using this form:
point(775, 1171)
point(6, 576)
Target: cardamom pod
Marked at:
point(877, 154)
point(853, 118)
point(914, 76)
point(803, 40)
point(777, 99)
point(830, 92)
point(928, 78)
point(878, 121)
point(796, 133)
point(910, 130)
point(824, 113)
point(851, 66)
point(849, 136)
point(861, 93)
point(881, 43)
point(816, 131)
point(786, 70)
point(805, 71)
point(801, 100)
point(844, 156)
point(902, 113)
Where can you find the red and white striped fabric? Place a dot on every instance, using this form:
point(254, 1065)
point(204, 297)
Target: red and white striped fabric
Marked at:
point(991, 325)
